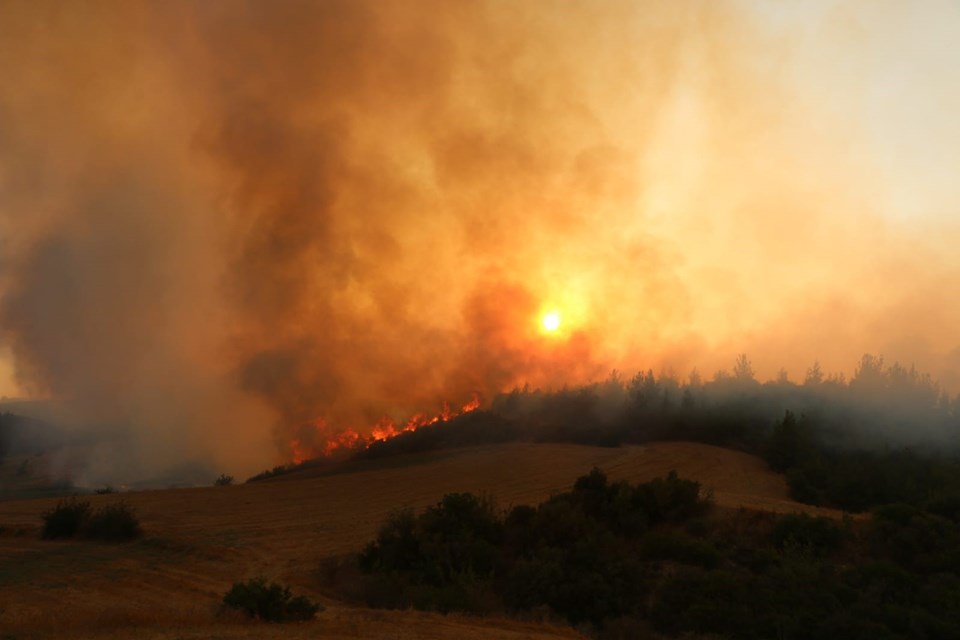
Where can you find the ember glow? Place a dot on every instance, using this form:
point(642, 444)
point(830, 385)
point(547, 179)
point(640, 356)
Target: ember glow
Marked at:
point(236, 227)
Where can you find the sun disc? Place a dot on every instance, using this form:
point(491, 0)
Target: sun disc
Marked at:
point(551, 321)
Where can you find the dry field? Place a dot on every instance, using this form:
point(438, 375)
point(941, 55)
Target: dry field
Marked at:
point(199, 541)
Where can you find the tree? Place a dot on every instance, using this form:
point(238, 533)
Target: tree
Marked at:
point(786, 444)
point(743, 369)
point(814, 375)
point(870, 376)
point(696, 380)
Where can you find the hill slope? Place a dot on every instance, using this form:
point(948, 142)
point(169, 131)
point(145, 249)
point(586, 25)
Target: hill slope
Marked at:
point(198, 541)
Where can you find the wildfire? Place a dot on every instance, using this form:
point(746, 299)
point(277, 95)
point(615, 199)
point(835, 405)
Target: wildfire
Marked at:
point(316, 439)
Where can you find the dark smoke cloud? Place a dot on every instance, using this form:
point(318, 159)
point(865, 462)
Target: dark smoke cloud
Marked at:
point(223, 221)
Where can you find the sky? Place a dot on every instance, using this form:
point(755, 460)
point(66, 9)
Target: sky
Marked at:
point(222, 223)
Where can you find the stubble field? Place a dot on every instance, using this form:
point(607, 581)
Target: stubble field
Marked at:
point(198, 541)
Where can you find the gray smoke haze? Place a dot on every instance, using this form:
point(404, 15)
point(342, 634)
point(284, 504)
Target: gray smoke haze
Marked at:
point(222, 221)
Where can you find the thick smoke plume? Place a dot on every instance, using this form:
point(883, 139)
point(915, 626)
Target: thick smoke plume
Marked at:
point(223, 221)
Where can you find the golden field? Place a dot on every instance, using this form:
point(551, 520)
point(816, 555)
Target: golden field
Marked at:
point(199, 541)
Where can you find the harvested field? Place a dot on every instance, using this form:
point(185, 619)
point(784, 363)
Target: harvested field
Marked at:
point(198, 541)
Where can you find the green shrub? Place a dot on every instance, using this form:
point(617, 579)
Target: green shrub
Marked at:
point(112, 523)
point(66, 519)
point(270, 602)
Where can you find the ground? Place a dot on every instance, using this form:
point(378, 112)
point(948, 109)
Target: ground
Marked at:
point(199, 541)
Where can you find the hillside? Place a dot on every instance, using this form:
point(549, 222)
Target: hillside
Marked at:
point(198, 541)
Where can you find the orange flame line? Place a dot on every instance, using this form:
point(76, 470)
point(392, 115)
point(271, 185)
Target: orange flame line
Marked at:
point(384, 429)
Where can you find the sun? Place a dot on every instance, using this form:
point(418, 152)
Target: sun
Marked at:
point(550, 321)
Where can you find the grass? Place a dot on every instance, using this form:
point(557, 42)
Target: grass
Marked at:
point(199, 541)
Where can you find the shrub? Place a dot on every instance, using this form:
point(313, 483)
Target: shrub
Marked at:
point(112, 523)
point(459, 538)
point(397, 547)
point(671, 499)
point(65, 520)
point(701, 603)
point(104, 490)
point(821, 536)
point(914, 539)
point(270, 602)
point(278, 470)
point(592, 580)
point(72, 518)
point(802, 488)
point(680, 548)
point(576, 555)
point(223, 481)
point(456, 539)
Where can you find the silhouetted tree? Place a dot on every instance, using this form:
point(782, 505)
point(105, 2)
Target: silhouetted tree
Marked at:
point(743, 369)
point(814, 375)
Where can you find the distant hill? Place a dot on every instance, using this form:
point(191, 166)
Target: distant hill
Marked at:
point(23, 435)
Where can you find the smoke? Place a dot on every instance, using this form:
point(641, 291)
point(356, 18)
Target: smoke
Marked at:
point(222, 221)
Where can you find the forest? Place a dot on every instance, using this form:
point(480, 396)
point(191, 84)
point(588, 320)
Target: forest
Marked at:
point(888, 434)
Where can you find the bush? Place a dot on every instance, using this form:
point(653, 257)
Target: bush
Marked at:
point(397, 547)
point(278, 470)
point(270, 602)
point(459, 538)
point(708, 602)
point(680, 548)
point(65, 520)
point(591, 581)
point(671, 499)
point(112, 523)
point(223, 481)
point(456, 539)
point(820, 536)
point(72, 518)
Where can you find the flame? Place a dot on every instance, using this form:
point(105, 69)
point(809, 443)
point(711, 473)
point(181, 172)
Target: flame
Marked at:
point(473, 405)
point(346, 439)
point(298, 453)
point(317, 439)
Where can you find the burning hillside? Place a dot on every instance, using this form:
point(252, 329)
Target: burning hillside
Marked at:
point(233, 228)
point(317, 439)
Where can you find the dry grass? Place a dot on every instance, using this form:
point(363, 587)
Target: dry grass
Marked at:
point(199, 541)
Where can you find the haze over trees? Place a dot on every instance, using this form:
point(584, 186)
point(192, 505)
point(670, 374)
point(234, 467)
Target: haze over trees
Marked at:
point(889, 433)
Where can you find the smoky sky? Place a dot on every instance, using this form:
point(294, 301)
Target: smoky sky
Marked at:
point(224, 220)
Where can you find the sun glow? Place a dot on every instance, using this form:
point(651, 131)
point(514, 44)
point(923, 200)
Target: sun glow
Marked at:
point(550, 321)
